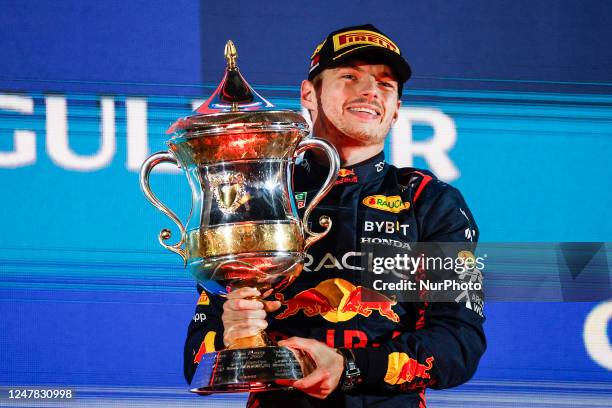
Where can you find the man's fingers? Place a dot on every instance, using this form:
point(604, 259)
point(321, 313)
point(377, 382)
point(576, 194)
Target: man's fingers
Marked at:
point(240, 330)
point(243, 293)
point(234, 334)
point(312, 379)
point(232, 315)
point(271, 305)
point(324, 379)
point(255, 324)
point(242, 304)
point(285, 383)
point(308, 345)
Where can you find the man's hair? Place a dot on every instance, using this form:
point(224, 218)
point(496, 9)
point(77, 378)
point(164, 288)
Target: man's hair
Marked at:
point(317, 82)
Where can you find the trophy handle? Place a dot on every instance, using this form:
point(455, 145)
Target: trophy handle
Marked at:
point(334, 166)
point(164, 234)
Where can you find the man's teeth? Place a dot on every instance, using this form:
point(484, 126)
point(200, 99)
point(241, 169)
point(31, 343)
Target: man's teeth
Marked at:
point(366, 110)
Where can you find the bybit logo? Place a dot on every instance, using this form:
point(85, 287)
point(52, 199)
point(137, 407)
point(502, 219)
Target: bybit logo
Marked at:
point(388, 227)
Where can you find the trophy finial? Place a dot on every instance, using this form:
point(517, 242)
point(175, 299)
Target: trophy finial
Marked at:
point(233, 94)
point(231, 54)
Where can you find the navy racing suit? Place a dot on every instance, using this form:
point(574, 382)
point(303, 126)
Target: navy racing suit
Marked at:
point(400, 347)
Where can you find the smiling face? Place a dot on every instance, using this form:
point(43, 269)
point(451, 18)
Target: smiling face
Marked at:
point(354, 104)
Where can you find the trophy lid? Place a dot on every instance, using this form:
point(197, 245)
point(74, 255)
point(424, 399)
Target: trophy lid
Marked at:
point(235, 104)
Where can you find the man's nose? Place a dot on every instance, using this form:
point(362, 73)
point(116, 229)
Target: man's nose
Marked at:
point(368, 87)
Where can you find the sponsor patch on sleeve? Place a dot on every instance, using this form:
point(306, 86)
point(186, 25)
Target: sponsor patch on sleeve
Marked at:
point(401, 368)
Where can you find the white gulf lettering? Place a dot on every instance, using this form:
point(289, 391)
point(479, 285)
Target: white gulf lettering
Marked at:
point(24, 141)
point(137, 137)
point(57, 136)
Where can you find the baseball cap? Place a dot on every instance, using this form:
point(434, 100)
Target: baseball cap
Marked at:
point(363, 41)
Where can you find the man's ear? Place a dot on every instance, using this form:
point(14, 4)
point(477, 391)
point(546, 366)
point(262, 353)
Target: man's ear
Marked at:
point(308, 97)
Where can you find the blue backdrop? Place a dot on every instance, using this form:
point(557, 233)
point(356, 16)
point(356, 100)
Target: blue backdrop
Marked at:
point(511, 101)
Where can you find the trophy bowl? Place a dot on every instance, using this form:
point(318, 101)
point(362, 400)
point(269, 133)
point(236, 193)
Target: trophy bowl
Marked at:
point(238, 152)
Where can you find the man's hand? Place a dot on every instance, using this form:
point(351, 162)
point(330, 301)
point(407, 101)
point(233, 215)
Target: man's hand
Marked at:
point(245, 317)
point(329, 366)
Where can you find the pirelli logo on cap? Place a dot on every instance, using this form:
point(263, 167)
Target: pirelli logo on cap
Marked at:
point(360, 37)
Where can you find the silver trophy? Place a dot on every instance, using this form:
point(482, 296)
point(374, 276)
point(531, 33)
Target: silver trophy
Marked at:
point(238, 152)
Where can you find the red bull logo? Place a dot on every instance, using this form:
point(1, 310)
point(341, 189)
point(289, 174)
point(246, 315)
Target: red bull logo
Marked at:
point(413, 369)
point(338, 300)
point(401, 368)
point(364, 305)
point(310, 301)
point(346, 176)
point(345, 172)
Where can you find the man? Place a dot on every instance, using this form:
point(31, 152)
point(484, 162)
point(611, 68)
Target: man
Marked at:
point(374, 351)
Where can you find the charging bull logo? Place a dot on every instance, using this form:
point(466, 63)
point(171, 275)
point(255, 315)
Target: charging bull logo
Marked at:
point(401, 369)
point(338, 300)
point(346, 176)
point(363, 301)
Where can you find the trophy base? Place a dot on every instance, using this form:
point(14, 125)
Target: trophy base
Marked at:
point(248, 370)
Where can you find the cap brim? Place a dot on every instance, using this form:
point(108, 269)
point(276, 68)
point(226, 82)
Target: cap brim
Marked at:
point(398, 64)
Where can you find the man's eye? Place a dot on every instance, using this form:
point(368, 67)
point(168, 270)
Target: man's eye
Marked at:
point(386, 84)
point(349, 76)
